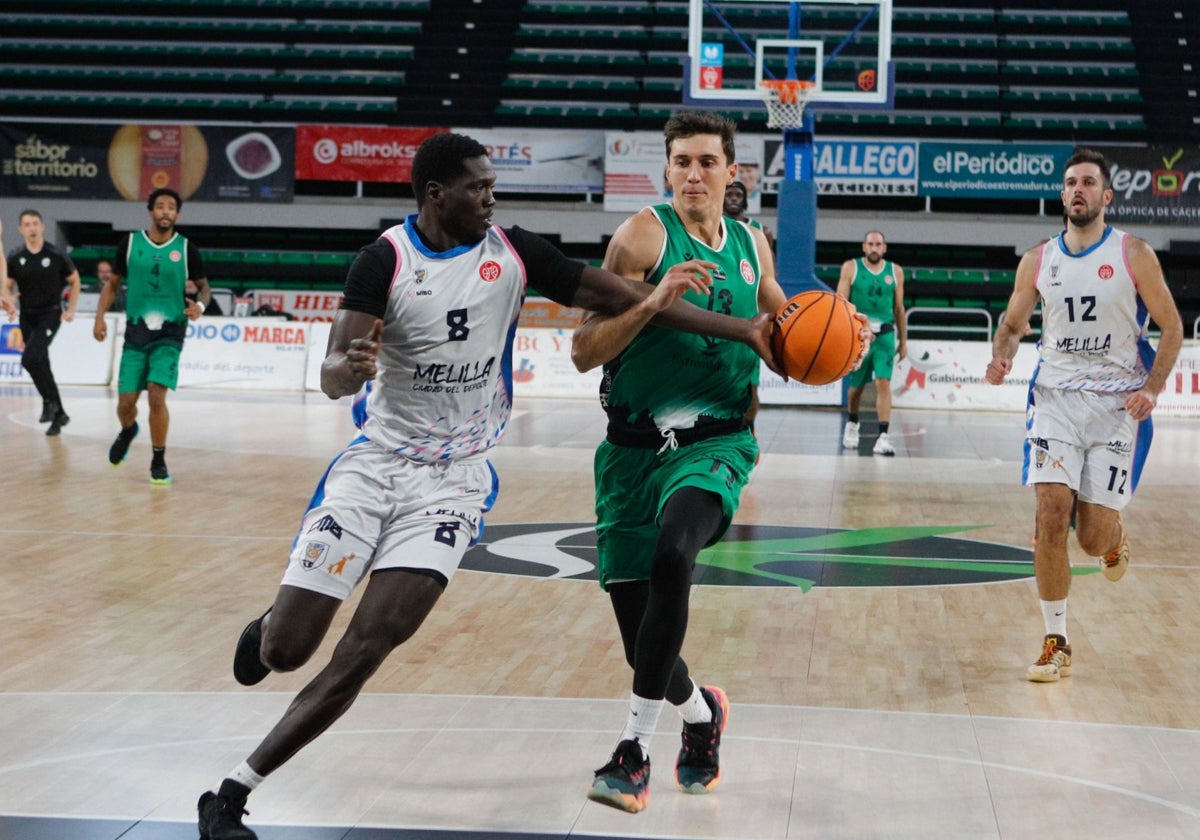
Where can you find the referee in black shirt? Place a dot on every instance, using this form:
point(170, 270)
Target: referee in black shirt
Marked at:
point(41, 272)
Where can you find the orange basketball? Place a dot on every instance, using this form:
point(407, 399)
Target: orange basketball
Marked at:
point(816, 338)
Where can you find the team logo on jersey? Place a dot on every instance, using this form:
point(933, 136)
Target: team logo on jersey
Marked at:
point(1105, 272)
point(419, 276)
point(747, 271)
point(175, 256)
point(1054, 270)
point(489, 272)
point(45, 262)
point(314, 555)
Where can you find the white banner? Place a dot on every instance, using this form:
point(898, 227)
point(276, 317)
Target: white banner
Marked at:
point(245, 353)
point(545, 160)
point(542, 366)
point(949, 374)
point(75, 356)
point(773, 390)
point(318, 341)
point(635, 170)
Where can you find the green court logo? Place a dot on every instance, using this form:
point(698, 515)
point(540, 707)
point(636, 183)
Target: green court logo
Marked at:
point(774, 555)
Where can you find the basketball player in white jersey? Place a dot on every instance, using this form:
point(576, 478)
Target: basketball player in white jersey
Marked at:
point(1096, 383)
point(424, 338)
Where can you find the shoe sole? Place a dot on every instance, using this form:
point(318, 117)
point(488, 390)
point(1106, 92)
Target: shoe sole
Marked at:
point(699, 788)
point(254, 672)
point(1117, 570)
point(160, 482)
point(605, 795)
point(1047, 677)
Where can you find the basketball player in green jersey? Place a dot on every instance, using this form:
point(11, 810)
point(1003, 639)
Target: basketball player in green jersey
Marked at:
point(155, 265)
point(876, 287)
point(679, 447)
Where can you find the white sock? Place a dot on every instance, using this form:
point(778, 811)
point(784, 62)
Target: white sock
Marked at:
point(1055, 615)
point(643, 717)
point(246, 776)
point(695, 709)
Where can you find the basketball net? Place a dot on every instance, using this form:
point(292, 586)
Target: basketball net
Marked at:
point(785, 100)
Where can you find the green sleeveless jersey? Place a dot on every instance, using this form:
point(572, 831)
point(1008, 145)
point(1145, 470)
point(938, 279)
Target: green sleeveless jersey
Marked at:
point(666, 379)
point(156, 276)
point(874, 294)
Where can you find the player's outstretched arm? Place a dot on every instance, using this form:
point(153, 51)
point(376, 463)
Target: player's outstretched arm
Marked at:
point(621, 303)
point(1015, 323)
point(352, 354)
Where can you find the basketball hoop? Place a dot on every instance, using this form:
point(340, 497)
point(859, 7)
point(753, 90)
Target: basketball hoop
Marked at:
point(785, 100)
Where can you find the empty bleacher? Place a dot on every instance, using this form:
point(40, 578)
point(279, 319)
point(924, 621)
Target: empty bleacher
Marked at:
point(1008, 71)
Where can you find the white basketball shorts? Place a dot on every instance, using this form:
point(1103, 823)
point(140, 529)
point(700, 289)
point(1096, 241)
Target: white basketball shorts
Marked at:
point(1086, 440)
point(375, 510)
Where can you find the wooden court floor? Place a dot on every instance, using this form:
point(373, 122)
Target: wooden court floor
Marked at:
point(876, 678)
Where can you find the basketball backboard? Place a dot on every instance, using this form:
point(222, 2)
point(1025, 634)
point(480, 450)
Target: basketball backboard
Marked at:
point(843, 46)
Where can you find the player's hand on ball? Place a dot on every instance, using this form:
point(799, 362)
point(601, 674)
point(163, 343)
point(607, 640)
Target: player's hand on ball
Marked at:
point(363, 353)
point(762, 340)
point(865, 336)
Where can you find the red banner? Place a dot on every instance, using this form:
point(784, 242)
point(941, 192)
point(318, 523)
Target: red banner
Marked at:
point(357, 153)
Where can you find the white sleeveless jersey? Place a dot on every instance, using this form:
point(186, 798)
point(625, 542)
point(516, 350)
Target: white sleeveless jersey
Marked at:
point(1093, 322)
point(444, 387)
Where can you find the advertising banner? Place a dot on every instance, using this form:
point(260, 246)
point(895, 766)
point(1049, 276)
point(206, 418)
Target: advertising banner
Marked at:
point(949, 374)
point(244, 353)
point(531, 160)
point(201, 163)
point(635, 170)
point(992, 170)
point(1158, 185)
point(357, 153)
point(76, 357)
point(303, 306)
point(773, 390)
point(542, 366)
point(851, 166)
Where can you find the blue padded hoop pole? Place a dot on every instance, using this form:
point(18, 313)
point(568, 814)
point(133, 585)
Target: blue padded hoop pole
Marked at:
point(796, 240)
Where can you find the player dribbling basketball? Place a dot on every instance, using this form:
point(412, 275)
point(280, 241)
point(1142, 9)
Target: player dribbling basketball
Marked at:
point(679, 447)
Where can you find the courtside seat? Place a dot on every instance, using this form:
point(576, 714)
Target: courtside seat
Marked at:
point(336, 262)
point(295, 259)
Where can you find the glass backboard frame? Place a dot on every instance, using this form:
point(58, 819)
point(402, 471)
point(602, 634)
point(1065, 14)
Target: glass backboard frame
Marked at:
point(770, 55)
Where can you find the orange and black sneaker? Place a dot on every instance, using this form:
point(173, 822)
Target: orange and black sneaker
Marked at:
point(625, 781)
point(1116, 561)
point(1054, 663)
point(698, 768)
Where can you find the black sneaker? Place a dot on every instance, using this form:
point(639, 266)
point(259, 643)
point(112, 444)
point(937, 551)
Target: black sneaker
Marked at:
point(49, 409)
point(56, 425)
point(221, 818)
point(625, 781)
point(248, 667)
point(698, 768)
point(158, 473)
point(117, 452)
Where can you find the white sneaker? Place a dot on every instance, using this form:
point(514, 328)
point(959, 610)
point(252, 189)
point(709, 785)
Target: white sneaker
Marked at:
point(883, 446)
point(850, 436)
